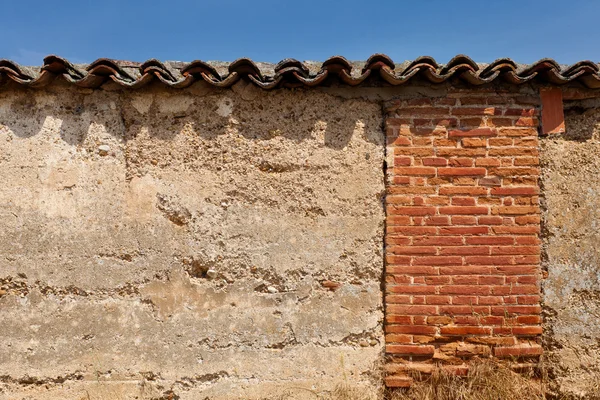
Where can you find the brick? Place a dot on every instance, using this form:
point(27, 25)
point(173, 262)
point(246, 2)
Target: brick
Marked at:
point(465, 289)
point(438, 241)
point(517, 269)
point(499, 122)
point(393, 259)
point(521, 309)
point(395, 199)
point(463, 181)
point(413, 151)
point(418, 299)
point(415, 171)
point(465, 250)
point(464, 310)
point(467, 319)
point(515, 210)
point(463, 230)
point(464, 300)
point(411, 329)
point(476, 111)
point(411, 289)
point(406, 250)
point(452, 152)
point(514, 171)
point(439, 320)
point(527, 121)
point(465, 270)
point(487, 162)
point(398, 338)
point(434, 111)
point(437, 299)
point(521, 112)
point(467, 101)
point(491, 300)
point(529, 300)
point(398, 220)
point(390, 279)
point(527, 330)
point(472, 122)
point(457, 171)
point(464, 220)
point(527, 259)
point(465, 330)
point(492, 341)
point(443, 142)
point(461, 162)
point(397, 299)
point(415, 210)
point(412, 190)
point(398, 381)
point(437, 220)
point(490, 181)
point(473, 142)
point(517, 132)
point(492, 280)
point(473, 191)
point(526, 350)
point(529, 319)
point(514, 191)
point(489, 260)
point(412, 309)
point(402, 161)
point(500, 141)
point(516, 230)
point(437, 280)
point(490, 220)
point(397, 319)
point(463, 210)
point(467, 279)
point(513, 151)
point(410, 269)
point(399, 180)
point(437, 260)
point(516, 250)
point(434, 122)
point(531, 142)
point(435, 161)
point(421, 350)
point(490, 240)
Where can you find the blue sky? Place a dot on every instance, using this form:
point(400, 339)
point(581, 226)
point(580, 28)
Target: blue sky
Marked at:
point(270, 30)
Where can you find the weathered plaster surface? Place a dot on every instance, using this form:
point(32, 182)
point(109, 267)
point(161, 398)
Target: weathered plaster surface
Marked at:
point(162, 243)
point(571, 187)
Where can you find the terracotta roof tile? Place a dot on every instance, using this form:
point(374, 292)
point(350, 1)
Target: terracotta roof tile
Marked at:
point(379, 68)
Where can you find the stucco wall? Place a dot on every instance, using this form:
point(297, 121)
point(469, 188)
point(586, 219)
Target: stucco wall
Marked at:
point(571, 188)
point(161, 243)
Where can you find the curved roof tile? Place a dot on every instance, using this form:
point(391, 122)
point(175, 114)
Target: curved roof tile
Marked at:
point(293, 73)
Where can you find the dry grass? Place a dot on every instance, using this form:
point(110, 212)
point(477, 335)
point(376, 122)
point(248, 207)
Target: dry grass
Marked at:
point(485, 381)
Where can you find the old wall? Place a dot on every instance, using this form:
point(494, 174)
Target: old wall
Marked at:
point(571, 184)
point(200, 243)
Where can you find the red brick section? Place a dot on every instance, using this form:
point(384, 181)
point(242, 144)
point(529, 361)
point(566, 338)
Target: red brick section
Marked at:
point(463, 219)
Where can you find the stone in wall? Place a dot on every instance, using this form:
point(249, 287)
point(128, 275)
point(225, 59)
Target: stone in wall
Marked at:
point(571, 188)
point(189, 244)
